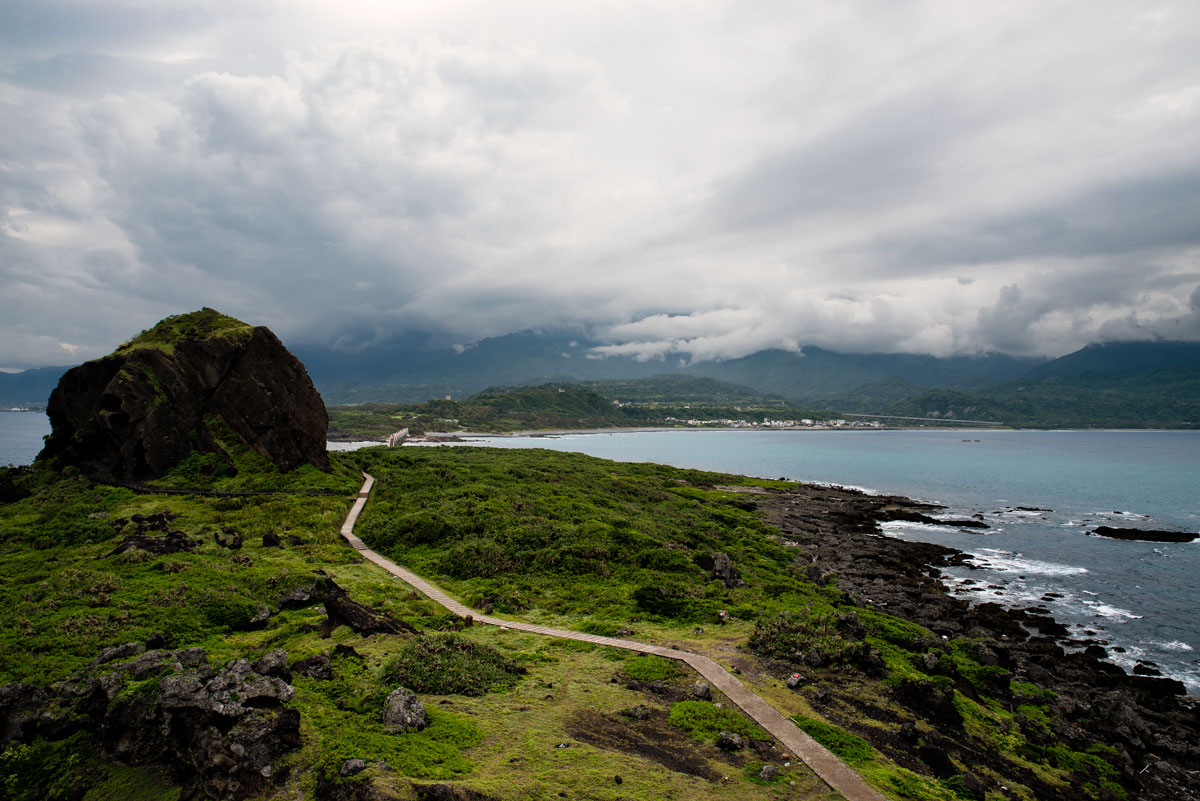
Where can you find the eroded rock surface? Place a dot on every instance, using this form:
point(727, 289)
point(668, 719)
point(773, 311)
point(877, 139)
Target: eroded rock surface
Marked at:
point(218, 732)
point(403, 712)
point(194, 382)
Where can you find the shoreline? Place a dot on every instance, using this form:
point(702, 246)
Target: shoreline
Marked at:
point(1151, 721)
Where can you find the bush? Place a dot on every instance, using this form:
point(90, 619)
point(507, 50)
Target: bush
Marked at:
point(650, 668)
point(446, 664)
point(704, 721)
point(789, 633)
point(670, 599)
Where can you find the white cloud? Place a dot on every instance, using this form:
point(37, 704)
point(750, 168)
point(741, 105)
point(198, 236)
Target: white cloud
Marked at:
point(704, 179)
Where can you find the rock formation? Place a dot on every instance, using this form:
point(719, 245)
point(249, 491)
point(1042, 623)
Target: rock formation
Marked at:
point(195, 382)
point(219, 732)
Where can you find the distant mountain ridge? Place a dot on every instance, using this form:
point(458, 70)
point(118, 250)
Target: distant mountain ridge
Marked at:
point(1134, 384)
point(410, 369)
point(29, 388)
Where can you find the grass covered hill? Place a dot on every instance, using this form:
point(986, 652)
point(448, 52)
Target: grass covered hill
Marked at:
point(560, 406)
point(267, 649)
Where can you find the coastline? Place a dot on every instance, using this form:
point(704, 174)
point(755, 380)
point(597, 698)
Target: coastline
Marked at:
point(1149, 720)
point(1021, 561)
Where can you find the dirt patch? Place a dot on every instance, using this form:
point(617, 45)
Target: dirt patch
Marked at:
point(652, 739)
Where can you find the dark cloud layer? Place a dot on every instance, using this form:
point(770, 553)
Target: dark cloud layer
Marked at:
point(699, 180)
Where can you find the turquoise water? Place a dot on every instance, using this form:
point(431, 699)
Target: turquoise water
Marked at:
point(1138, 596)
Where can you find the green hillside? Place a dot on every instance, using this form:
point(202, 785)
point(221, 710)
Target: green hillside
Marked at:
point(1148, 399)
point(558, 406)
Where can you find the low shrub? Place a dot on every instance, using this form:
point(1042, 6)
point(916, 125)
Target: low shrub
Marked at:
point(704, 721)
point(846, 746)
point(650, 668)
point(446, 664)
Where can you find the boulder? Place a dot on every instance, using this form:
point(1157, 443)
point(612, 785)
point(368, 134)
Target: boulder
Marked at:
point(19, 707)
point(352, 767)
point(639, 712)
point(344, 610)
point(730, 741)
point(403, 712)
point(724, 571)
point(194, 382)
point(317, 666)
point(701, 691)
point(274, 663)
point(219, 732)
point(1143, 534)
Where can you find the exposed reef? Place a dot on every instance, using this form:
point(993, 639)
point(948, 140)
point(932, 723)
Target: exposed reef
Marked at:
point(199, 382)
point(1149, 721)
point(1143, 534)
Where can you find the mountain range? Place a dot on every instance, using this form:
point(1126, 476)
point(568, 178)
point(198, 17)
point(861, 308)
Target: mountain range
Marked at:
point(1117, 384)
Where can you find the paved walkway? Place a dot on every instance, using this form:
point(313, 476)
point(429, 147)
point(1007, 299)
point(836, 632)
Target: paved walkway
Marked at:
point(831, 769)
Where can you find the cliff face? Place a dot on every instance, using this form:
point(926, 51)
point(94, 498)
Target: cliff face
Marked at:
point(199, 381)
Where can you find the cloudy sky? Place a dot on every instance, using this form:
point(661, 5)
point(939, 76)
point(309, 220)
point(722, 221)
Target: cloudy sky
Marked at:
point(692, 178)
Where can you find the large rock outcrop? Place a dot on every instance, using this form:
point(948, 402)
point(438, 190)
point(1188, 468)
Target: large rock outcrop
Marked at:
point(195, 382)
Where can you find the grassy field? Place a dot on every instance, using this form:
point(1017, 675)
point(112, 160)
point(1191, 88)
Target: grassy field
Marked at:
point(551, 538)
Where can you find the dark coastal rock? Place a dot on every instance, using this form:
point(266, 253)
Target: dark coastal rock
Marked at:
point(730, 741)
point(1143, 534)
point(1149, 726)
point(274, 663)
point(352, 767)
point(188, 384)
point(446, 792)
point(298, 597)
point(911, 516)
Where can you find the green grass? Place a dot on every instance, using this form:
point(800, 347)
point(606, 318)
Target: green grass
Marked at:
point(848, 747)
point(650, 668)
point(552, 538)
point(704, 721)
point(199, 325)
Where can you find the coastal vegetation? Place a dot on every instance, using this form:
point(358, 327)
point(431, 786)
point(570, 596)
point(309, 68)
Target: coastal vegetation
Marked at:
point(558, 406)
point(645, 552)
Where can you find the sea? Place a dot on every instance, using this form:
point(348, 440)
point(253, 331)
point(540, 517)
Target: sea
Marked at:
point(1040, 492)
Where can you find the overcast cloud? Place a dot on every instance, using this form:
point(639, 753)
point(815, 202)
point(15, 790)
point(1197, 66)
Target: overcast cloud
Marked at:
point(678, 179)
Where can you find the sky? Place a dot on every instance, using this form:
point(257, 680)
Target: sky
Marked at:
point(696, 180)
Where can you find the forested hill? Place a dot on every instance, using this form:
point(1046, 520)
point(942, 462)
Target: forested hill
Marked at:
point(1095, 399)
point(559, 406)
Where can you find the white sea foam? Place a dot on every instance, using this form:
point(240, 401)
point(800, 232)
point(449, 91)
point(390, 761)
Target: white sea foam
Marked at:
point(1107, 610)
point(898, 528)
point(1174, 645)
point(995, 559)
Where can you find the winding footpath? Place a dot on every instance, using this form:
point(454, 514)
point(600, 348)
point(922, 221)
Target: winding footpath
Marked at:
point(832, 770)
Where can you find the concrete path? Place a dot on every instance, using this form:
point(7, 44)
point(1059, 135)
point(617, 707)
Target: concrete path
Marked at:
point(832, 770)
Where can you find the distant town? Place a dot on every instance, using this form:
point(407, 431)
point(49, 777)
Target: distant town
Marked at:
point(767, 422)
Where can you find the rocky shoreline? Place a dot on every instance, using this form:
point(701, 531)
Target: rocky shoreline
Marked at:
point(1151, 723)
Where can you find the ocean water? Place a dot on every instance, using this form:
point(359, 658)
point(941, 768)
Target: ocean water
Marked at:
point(1039, 491)
point(21, 436)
